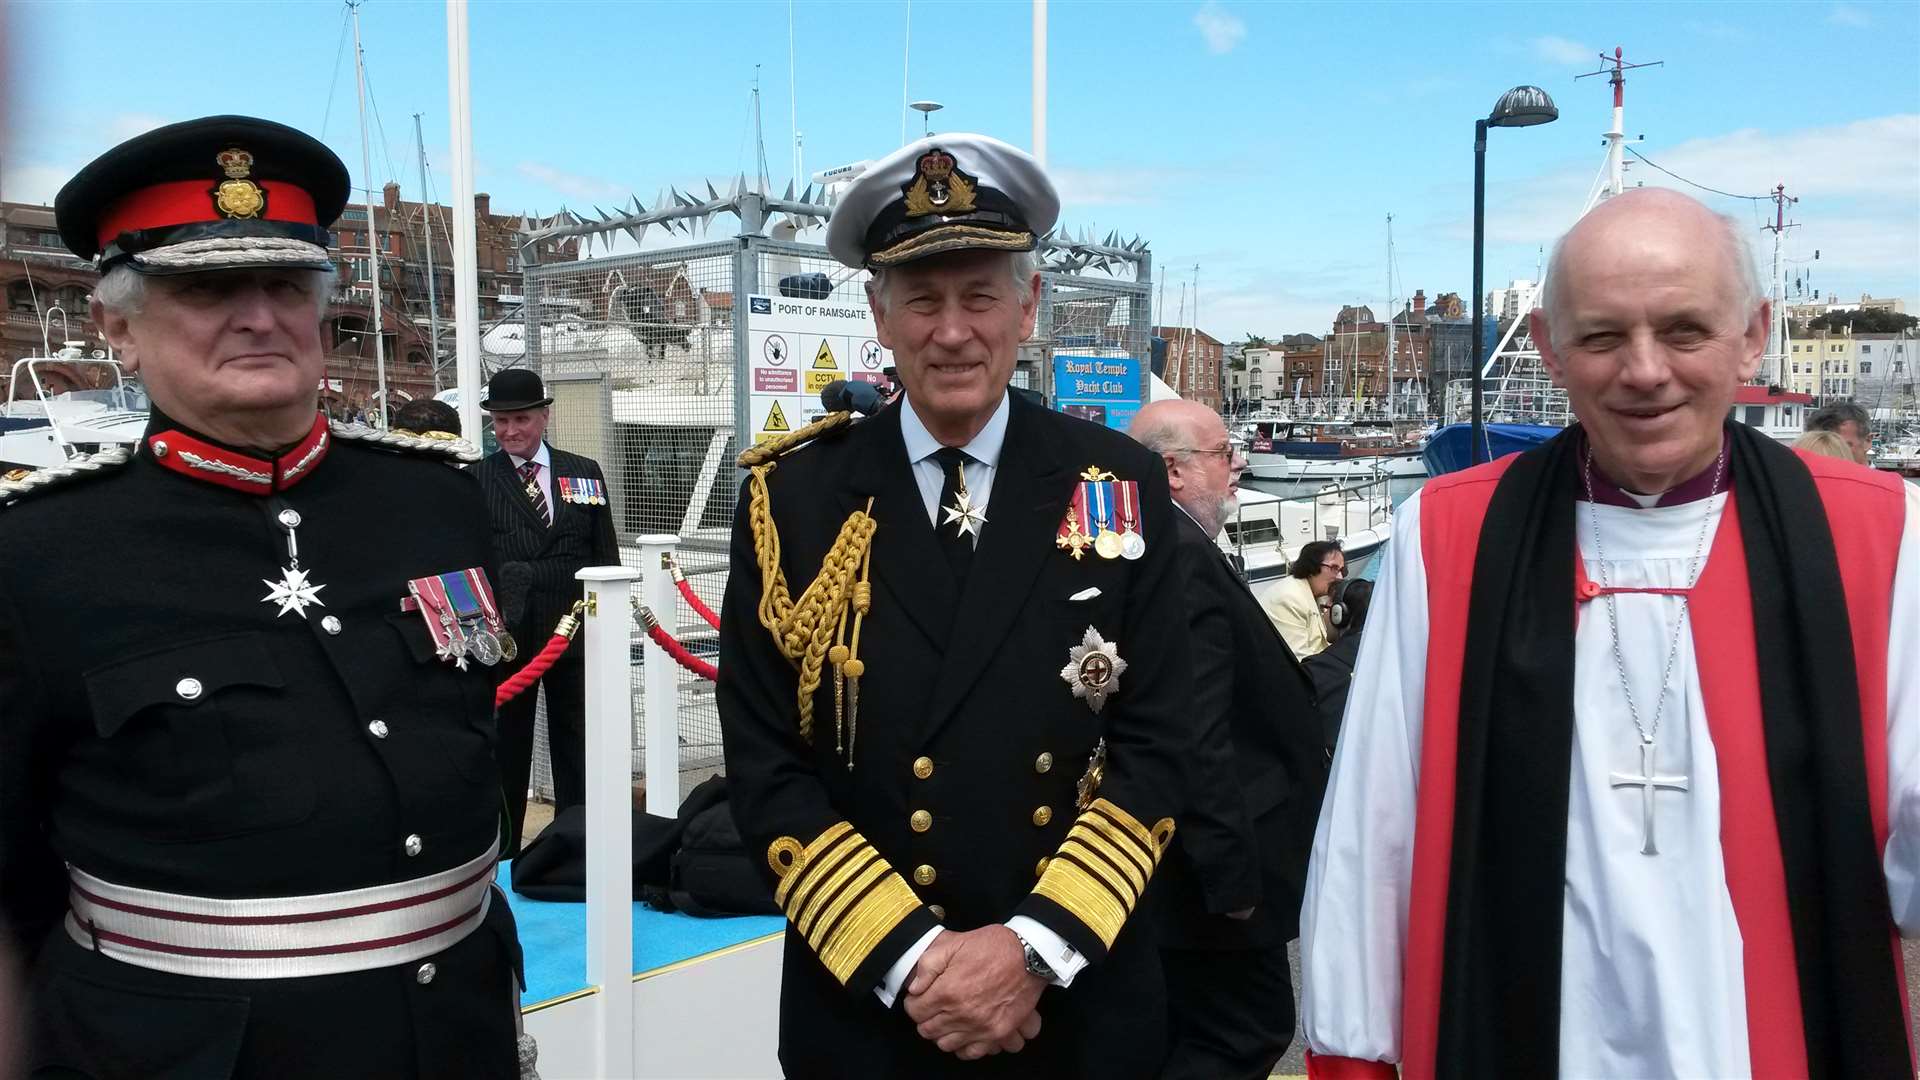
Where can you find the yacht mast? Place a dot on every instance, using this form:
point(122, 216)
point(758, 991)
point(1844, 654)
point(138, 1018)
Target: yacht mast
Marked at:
point(426, 227)
point(379, 416)
point(1391, 315)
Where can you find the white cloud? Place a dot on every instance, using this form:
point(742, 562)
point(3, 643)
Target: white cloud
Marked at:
point(572, 185)
point(32, 182)
point(1559, 50)
point(1223, 30)
point(1849, 15)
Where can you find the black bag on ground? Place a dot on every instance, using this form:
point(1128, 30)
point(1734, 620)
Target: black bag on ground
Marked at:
point(694, 862)
point(553, 866)
point(713, 873)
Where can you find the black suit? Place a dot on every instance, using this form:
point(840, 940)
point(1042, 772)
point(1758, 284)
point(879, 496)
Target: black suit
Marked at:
point(965, 719)
point(1256, 781)
point(581, 535)
point(308, 748)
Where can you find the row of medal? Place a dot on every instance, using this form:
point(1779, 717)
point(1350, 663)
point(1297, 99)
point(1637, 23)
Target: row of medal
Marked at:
point(462, 617)
point(1105, 516)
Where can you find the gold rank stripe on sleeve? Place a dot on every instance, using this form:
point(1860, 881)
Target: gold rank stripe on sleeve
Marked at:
point(1103, 866)
point(840, 894)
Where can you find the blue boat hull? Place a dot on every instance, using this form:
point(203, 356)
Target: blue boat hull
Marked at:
point(1451, 448)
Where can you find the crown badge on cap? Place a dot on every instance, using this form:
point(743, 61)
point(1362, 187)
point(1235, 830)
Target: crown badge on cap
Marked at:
point(237, 196)
point(939, 186)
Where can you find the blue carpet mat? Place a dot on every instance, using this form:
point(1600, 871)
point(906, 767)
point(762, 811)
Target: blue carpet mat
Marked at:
point(554, 939)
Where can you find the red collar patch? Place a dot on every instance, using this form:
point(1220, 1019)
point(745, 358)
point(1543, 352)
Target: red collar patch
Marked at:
point(190, 456)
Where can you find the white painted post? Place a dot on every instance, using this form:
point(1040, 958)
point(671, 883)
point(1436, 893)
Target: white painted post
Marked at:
point(662, 703)
point(609, 748)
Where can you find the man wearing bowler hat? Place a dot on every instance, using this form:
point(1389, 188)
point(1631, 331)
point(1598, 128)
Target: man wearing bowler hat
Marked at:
point(248, 809)
point(551, 516)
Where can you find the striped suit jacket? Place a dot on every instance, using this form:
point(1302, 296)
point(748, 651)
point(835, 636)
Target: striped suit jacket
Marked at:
point(581, 535)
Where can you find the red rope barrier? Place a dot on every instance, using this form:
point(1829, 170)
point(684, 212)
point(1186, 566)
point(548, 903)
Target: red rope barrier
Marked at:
point(536, 667)
point(644, 615)
point(692, 598)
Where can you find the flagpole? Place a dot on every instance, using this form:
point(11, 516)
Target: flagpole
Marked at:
point(466, 278)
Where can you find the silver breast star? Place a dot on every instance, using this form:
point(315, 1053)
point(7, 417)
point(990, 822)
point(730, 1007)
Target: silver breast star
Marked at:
point(293, 592)
point(970, 517)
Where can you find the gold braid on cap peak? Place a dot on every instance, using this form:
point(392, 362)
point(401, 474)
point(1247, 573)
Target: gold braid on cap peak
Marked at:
point(811, 631)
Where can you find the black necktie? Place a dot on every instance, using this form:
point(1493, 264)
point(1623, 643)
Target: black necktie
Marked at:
point(957, 545)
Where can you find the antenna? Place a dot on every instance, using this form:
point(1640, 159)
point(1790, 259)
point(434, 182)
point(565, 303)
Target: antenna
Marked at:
point(1617, 75)
point(1777, 333)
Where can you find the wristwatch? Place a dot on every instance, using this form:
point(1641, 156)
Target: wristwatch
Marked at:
point(1036, 964)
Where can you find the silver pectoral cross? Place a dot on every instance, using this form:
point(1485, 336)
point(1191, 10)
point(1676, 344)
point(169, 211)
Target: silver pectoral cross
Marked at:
point(1647, 781)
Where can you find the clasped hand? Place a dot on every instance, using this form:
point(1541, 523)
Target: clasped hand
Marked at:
point(971, 994)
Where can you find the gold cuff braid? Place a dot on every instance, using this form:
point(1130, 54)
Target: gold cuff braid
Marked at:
point(840, 894)
point(1103, 867)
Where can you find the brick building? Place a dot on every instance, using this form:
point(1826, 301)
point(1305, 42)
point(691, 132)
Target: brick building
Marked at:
point(1195, 360)
point(37, 273)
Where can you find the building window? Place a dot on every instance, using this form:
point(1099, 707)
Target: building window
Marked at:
point(1866, 367)
point(354, 214)
point(1865, 348)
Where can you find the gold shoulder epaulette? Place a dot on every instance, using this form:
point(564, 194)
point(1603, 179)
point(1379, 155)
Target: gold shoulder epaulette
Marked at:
point(449, 448)
point(18, 483)
point(768, 450)
point(822, 627)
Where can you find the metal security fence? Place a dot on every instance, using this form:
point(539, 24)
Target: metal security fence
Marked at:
point(1090, 316)
point(646, 356)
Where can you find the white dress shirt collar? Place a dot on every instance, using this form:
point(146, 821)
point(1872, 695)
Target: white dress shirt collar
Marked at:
point(985, 447)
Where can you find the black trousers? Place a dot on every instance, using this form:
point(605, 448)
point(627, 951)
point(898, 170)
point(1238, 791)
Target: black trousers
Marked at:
point(1229, 1012)
point(566, 686)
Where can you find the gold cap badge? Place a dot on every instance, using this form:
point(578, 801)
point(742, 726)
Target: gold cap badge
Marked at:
point(938, 186)
point(237, 196)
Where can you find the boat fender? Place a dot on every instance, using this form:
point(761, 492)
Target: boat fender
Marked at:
point(19, 483)
point(448, 448)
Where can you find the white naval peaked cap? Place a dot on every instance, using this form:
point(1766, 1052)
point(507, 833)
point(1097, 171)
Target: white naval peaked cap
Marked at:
point(943, 193)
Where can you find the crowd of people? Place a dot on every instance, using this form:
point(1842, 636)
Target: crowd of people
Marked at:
point(1620, 778)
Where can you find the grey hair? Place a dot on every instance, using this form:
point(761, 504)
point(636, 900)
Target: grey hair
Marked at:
point(1732, 233)
point(1160, 431)
point(1830, 417)
point(1021, 265)
point(123, 290)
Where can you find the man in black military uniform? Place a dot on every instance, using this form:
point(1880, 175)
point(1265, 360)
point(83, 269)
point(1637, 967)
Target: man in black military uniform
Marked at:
point(551, 517)
point(1234, 878)
point(953, 682)
point(248, 810)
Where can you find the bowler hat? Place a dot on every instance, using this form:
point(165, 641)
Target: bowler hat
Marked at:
point(512, 389)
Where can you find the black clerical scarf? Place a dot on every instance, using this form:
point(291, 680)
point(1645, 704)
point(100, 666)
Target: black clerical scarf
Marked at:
point(1500, 1003)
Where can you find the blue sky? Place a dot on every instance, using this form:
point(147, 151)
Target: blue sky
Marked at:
point(1264, 142)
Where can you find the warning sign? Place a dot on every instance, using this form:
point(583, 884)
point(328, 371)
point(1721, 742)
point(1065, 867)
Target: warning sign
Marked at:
point(790, 337)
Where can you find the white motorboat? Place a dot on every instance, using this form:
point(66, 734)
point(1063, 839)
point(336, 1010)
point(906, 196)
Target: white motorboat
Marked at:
point(67, 404)
point(1267, 531)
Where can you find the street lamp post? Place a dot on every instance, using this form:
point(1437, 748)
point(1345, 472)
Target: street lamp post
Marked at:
point(1522, 106)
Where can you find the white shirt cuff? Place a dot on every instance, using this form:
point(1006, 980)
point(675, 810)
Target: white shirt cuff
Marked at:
point(1065, 960)
point(896, 978)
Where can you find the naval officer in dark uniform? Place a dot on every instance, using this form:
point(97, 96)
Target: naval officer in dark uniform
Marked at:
point(551, 517)
point(248, 808)
point(954, 681)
